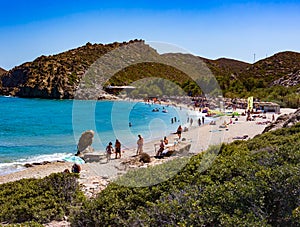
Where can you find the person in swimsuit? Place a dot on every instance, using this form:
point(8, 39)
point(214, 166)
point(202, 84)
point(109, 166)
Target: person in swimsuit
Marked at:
point(179, 131)
point(118, 149)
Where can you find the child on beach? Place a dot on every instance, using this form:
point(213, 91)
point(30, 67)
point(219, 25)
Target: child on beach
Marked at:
point(109, 151)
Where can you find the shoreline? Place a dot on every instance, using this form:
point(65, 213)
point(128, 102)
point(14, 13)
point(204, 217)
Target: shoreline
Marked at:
point(201, 137)
point(11, 163)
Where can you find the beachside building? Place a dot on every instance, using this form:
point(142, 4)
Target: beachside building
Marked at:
point(117, 89)
point(267, 107)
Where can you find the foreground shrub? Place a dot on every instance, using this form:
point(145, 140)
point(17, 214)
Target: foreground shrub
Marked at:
point(39, 200)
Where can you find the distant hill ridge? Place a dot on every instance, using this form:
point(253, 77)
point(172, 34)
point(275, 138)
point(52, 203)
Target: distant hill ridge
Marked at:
point(274, 67)
point(230, 64)
point(58, 76)
point(283, 64)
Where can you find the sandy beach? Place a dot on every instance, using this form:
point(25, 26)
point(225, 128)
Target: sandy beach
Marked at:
point(96, 175)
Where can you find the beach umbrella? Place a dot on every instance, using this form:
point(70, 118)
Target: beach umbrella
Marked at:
point(74, 159)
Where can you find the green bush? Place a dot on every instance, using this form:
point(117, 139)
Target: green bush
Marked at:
point(39, 200)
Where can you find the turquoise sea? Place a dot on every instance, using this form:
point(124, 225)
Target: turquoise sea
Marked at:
point(36, 130)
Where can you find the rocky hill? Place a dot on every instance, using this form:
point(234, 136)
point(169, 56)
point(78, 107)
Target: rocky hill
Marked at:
point(280, 65)
point(60, 76)
point(2, 71)
point(54, 76)
point(280, 69)
point(276, 78)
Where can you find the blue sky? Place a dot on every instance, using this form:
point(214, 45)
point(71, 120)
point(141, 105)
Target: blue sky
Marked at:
point(213, 29)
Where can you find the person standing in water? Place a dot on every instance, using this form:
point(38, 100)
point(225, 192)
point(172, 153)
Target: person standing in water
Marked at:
point(140, 144)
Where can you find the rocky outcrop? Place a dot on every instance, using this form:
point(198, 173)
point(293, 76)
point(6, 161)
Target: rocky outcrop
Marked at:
point(284, 121)
point(292, 79)
point(85, 142)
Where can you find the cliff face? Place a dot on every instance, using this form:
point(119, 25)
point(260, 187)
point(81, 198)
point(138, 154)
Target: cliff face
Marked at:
point(55, 76)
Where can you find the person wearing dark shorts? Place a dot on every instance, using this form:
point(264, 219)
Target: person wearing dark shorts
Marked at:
point(118, 149)
point(179, 131)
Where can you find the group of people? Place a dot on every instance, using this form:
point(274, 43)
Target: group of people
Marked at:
point(75, 169)
point(200, 121)
point(162, 146)
point(117, 148)
point(110, 150)
point(173, 120)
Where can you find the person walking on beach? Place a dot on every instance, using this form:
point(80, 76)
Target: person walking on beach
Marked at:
point(109, 151)
point(140, 144)
point(179, 131)
point(199, 122)
point(203, 120)
point(118, 148)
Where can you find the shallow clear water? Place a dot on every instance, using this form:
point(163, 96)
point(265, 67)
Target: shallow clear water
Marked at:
point(35, 130)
